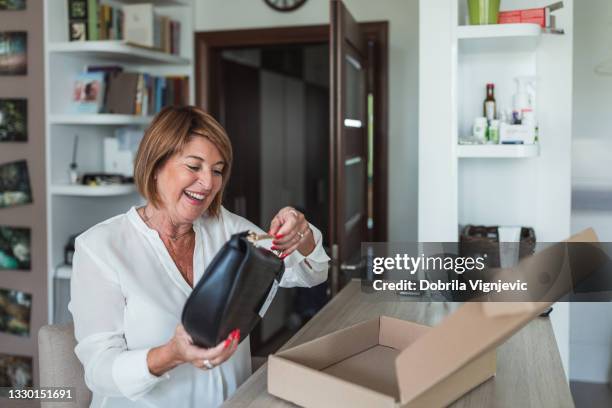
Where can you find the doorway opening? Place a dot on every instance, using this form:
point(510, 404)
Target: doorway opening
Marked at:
point(274, 103)
point(270, 89)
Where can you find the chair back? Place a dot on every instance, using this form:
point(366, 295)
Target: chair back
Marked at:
point(60, 367)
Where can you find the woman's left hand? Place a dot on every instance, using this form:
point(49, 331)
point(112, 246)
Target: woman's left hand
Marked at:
point(291, 231)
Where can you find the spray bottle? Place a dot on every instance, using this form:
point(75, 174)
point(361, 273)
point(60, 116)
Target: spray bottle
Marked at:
point(525, 103)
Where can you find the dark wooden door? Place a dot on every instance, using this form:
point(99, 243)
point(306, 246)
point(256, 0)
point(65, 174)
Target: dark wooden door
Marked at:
point(348, 149)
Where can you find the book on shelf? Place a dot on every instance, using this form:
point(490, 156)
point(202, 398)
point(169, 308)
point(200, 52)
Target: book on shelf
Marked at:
point(77, 20)
point(91, 21)
point(134, 93)
point(137, 24)
point(144, 27)
point(88, 92)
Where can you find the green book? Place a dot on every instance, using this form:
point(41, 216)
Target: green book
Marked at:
point(93, 20)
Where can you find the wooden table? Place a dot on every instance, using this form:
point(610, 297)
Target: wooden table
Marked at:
point(529, 369)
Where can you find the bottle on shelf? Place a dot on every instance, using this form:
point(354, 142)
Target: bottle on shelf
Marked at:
point(493, 132)
point(489, 108)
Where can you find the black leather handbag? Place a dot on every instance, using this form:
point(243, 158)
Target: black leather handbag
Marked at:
point(234, 293)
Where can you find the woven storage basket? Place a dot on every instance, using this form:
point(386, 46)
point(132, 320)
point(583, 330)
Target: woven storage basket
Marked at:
point(482, 240)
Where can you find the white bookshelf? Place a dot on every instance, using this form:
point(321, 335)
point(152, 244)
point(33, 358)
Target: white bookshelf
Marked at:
point(118, 52)
point(99, 119)
point(498, 38)
point(95, 191)
point(75, 208)
point(498, 31)
point(498, 151)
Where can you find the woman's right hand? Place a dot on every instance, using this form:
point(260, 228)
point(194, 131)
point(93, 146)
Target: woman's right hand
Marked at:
point(180, 349)
point(186, 352)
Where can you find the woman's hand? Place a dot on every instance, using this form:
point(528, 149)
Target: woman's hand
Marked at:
point(180, 349)
point(291, 231)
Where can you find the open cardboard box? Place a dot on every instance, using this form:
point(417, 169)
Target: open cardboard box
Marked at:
point(387, 362)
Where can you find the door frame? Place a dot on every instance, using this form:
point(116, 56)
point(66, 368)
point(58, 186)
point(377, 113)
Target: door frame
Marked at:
point(208, 76)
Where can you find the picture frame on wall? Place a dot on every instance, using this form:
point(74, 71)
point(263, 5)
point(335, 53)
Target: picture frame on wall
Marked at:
point(15, 312)
point(15, 248)
point(15, 371)
point(13, 120)
point(12, 5)
point(13, 53)
point(15, 186)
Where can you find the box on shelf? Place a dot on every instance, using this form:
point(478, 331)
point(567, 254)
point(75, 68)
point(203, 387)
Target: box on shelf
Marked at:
point(519, 134)
point(541, 16)
point(387, 362)
point(120, 151)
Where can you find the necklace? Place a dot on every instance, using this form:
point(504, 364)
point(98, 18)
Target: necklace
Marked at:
point(147, 220)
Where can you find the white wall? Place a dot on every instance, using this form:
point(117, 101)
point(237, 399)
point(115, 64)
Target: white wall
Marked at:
point(591, 324)
point(403, 80)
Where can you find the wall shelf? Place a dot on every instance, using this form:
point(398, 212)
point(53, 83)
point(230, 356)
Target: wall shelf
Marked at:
point(87, 191)
point(158, 3)
point(99, 119)
point(499, 151)
point(118, 51)
point(499, 37)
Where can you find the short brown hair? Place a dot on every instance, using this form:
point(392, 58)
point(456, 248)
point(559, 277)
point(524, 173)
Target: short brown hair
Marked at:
point(169, 132)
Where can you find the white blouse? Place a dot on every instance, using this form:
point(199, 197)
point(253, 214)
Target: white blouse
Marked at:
point(127, 296)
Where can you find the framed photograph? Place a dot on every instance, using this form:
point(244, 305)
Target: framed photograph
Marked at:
point(15, 248)
point(15, 371)
point(88, 92)
point(15, 312)
point(13, 52)
point(12, 5)
point(14, 184)
point(13, 120)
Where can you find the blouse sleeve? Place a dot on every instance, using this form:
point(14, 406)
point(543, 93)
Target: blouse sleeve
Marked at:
point(300, 270)
point(97, 306)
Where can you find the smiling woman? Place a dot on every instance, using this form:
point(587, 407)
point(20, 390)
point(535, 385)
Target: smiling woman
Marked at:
point(133, 273)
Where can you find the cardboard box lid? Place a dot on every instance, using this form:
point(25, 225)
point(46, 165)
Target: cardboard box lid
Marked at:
point(472, 330)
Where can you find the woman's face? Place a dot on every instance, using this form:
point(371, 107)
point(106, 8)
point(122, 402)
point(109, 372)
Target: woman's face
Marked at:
point(189, 181)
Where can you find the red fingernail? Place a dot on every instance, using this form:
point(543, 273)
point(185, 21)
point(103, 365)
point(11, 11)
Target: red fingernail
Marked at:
point(278, 236)
point(283, 256)
point(226, 343)
point(274, 248)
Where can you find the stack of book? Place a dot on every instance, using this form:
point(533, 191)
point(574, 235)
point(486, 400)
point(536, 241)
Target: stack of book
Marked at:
point(91, 21)
point(107, 89)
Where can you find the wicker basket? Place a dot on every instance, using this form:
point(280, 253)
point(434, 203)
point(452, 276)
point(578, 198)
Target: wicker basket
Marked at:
point(484, 241)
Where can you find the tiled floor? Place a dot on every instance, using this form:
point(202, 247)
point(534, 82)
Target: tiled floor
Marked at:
point(591, 395)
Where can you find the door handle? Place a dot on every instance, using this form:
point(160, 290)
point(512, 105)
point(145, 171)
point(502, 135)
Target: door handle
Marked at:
point(352, 267)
